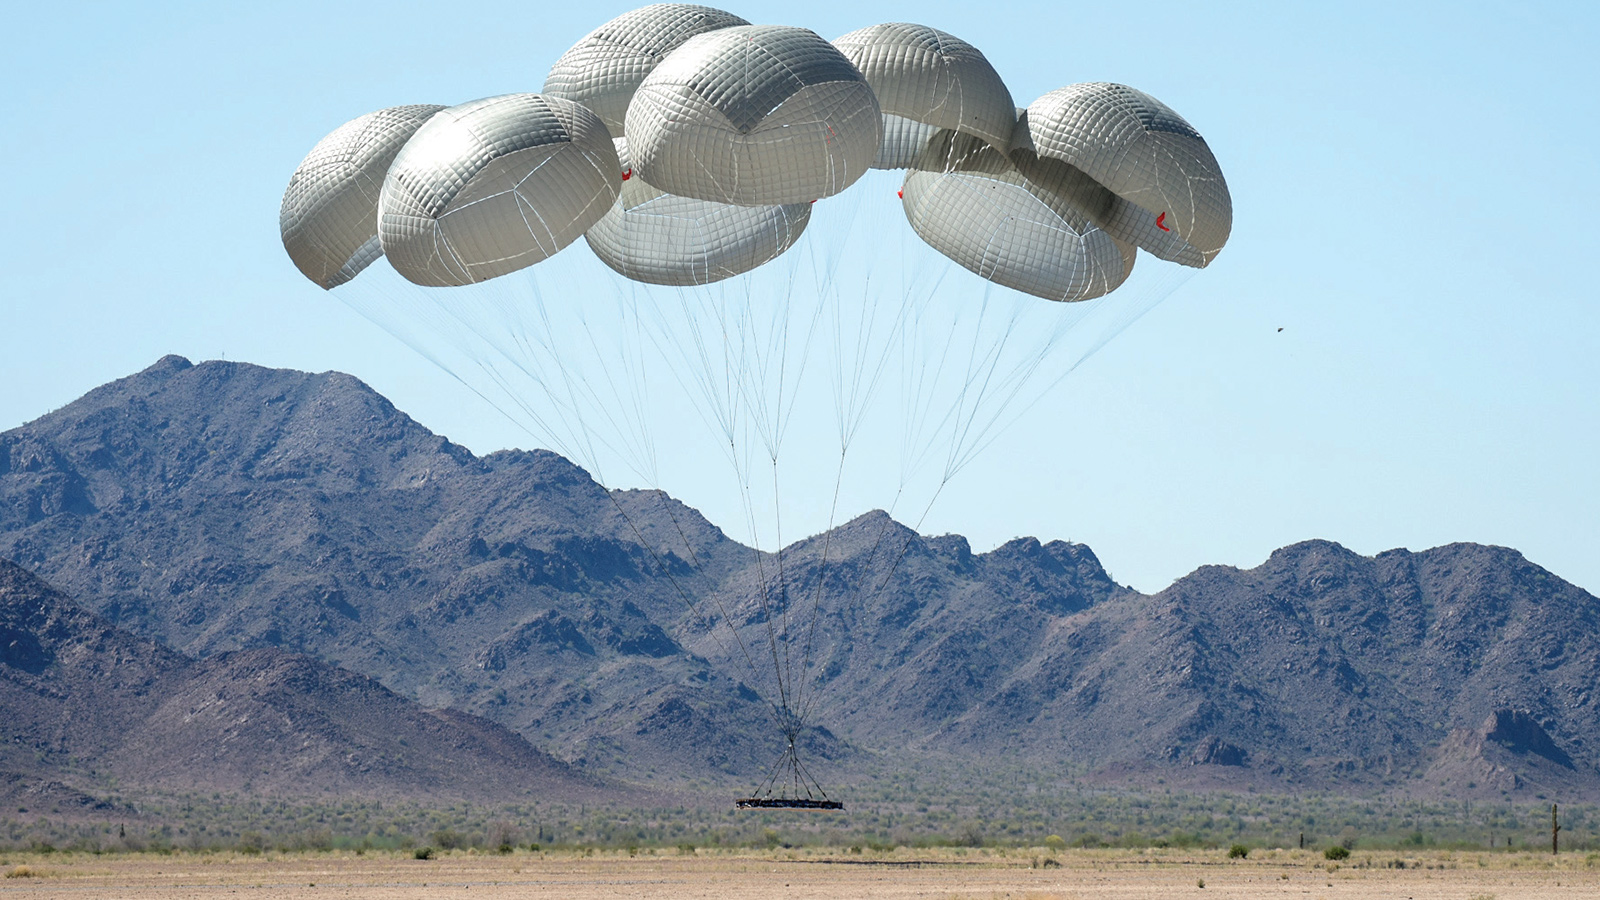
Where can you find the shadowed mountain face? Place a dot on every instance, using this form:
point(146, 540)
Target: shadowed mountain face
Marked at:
point(222, 507)
point(85, 702)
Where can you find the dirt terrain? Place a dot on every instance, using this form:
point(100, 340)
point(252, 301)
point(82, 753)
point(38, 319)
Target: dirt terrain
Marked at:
point(945, 875)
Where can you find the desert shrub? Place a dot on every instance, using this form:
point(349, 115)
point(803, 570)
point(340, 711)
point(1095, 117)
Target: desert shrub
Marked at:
point(1055, 842)
point(422, 853)
point(1238, 851)
point(1336, 852)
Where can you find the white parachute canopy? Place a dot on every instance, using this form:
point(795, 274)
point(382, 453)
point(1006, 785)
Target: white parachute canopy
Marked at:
point(1178, 206)
point(754, 115)
point(652, 236)
point(903, 139)
point(1037, 235)
point(604, 69)
point(494, 185)
point(329, 216)
point(932, 78)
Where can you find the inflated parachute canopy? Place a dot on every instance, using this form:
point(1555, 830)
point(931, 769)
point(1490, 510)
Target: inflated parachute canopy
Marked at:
point(604, 69)
point(1038, 235)
point(1146, 154)
point(652, 236)
point(925, 77)
point(329, 216)
point(903, 140)
point(755, 115)
point(495, 185)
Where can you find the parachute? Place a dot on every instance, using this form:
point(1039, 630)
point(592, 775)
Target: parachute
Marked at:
point(924, 75)
point(754, 115)
point(329, 217)
point(491, 186)
point(752, 289)
point(658, 238)
point(604, 69)
point(1144, 153)
point(1038, 235)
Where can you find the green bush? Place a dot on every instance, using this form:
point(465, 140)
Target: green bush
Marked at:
point(422, 853)
point(1336, 852)
point(1238, 851)
point(1055, 842)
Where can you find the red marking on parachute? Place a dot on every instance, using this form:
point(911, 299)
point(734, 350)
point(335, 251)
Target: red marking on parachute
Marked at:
point(901, 193)
point(629, 174)
point(1161, 219)
point(813, 201)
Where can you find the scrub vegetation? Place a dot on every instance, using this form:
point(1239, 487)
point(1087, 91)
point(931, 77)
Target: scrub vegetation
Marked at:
point(1002, 813)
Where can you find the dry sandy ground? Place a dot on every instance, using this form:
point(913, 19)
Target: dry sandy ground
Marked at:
point(1083, 875)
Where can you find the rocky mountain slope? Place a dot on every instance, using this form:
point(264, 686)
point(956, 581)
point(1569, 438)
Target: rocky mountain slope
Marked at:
point(223, 507)
point(90, 709)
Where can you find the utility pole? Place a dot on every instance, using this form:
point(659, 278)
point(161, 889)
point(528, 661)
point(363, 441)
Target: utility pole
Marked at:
point(1302, 840)
point(1555, 831)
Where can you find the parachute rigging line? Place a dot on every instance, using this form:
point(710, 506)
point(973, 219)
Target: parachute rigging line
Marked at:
point(779, 715)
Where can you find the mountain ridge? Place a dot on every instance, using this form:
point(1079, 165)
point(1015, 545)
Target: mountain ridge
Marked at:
point(94, 709)
point(222, 507)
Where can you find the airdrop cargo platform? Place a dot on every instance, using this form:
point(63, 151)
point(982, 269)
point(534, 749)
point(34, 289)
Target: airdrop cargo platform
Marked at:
point(785, 803)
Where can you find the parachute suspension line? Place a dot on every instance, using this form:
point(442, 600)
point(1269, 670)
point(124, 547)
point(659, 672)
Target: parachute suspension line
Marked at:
point(1121, 317)
point(1171, 278)
point(964, 420)
point(977, 372)
point(825, 288)
point(722, 406)
point(850, 411)
point(778, 715)
point(448, 316)
point(636, 393)
point(441, 321)
point(568, 381)
point(739, 332)
point(852, 398)
point(921, 389)
point(757, 366)
point(580, 443)
point(816, 591)
point(677, 525)
point(421, 350)
point(792, 773)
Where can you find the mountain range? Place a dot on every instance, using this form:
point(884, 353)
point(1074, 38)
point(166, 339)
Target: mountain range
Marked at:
point(292, 542)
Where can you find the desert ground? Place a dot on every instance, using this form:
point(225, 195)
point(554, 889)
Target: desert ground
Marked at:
point(752, 875)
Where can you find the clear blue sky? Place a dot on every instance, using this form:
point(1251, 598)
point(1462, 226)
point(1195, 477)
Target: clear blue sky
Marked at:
point(1414, 186)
